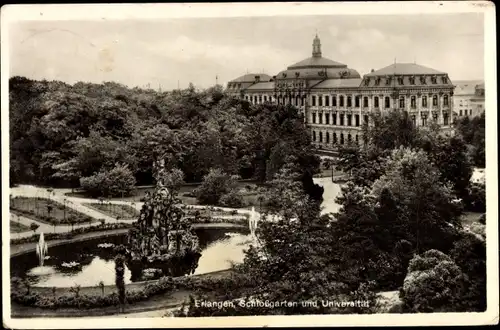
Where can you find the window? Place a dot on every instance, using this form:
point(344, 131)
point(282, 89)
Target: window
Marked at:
point(435, 100)
point(334, 118)
point(327, 118)
point(327, 137)
point(444, 80)
point(388, 81)
point(424, 101)
point(349, 120)
point(413, 101)
point(327, 101)
point(424, 120)
point(414, 120)
point(434, 80)
point(365, 102)
point(260, 98)
point(422, 80)
point(303, 100)
point(412, 80)
point(401, 81)
point(320, 100)
point(314, 136)
point(445, 100)
point(445, 119)
point(366, 119)
point(375, 101)
point(334, 138)
point(367, 81)
point(321, 137)
point(313, 100)
point(349, 101)
point(334, 100)
point(435, 117)
point(341, 100)
point(341, 138)
point(387, 102)
point(314, 118)
point(341, 119)
point(255, 99)
point(246, 97)
point(377, 81)
point(356, 120)
point(401, 102)
point(356, 101)
point(460, 113)
point(265, 98)
point(357, 138)
point(320, 117)
point(349, 137)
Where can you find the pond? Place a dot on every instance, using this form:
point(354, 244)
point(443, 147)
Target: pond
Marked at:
point(331, 191)
point(88, 263)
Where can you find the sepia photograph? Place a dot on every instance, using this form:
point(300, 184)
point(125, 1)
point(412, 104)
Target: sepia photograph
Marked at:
point(237, 164)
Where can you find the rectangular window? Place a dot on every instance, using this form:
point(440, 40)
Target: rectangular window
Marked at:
point(401, 102)
point(313, 100)
point(366, 119)
point(327, 100)
point(356, 101)
point(341, 100)
point(413, 102)
point(321, 137)
point(349, 120)
point(375, 102)
point(334, 118)
point(341, 119)
point(265, 98)
point(365, 102)
point(377, 81)
point(320, 100)
point(314, 136)
point(320, 117)
point(435, 117)
point(349, 101)
point(327, 118)
point(327, 137)
point(445, 119)
point(460, 113)
point(445, 100)
point(314, 118)
point(387, 102)
point(435, 100)
point(424, 101)
point(424, 120)
point(334, 100)
point(356, 120)
point(260, 98)
point(414, 120)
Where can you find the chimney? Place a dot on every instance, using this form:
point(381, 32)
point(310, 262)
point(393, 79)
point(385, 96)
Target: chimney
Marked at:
point(257, 79)
point(372, 70)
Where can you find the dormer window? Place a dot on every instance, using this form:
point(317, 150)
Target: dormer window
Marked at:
point(284, 74)
point(434, 80)
point(388, 81)
point(412, 80)
point(297, 74)
point(422, 80)
point(401, 81)
point(377, 81)
point(444, 80)
point(367, 81)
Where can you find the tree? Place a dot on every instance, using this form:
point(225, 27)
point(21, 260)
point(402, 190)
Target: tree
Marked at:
point(328, 164)
point(101, 285)
point(119, 278)
point(434, 284)
point(34, 226)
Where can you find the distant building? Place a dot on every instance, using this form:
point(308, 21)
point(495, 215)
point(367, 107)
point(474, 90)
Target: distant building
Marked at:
point(336, 100)
point(468, 98)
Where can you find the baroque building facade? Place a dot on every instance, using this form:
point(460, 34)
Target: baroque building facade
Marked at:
point(335, 100)
point(468, 98)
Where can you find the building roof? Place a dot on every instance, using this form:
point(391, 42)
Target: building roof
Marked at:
point(317, 62)
point(313, 73)
point(338, 83)
point(251, 77)
point(405, 81)
point(466, 87)
point(404, 69)
point(268, 85)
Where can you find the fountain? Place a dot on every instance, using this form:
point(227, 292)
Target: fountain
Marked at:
point(41, 250)
point(252, 223)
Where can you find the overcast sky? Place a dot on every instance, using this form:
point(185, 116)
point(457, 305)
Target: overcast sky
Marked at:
point(164, 52)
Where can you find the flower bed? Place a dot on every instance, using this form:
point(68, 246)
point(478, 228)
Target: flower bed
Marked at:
point(72, 234)
point(115, 210)
point(47, 211)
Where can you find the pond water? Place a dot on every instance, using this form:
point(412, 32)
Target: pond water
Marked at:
point(88, 263)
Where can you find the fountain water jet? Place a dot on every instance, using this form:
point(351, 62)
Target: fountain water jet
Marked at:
point(41, 251)
point(252, 223)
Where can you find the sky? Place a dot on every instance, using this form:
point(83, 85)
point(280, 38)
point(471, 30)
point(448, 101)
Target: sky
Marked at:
point(173, 52)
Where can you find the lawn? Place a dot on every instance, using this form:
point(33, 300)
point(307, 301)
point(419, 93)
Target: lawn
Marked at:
point(125, 212)
point(16, 227)
point(47, 211)
point(328, 173)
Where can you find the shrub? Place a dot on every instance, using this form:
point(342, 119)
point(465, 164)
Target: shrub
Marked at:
point(475, 200)
point(118, 181)
point(215, 184)
point(232, 199)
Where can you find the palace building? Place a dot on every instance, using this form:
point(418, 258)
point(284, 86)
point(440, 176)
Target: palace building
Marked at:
point(335, 100)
